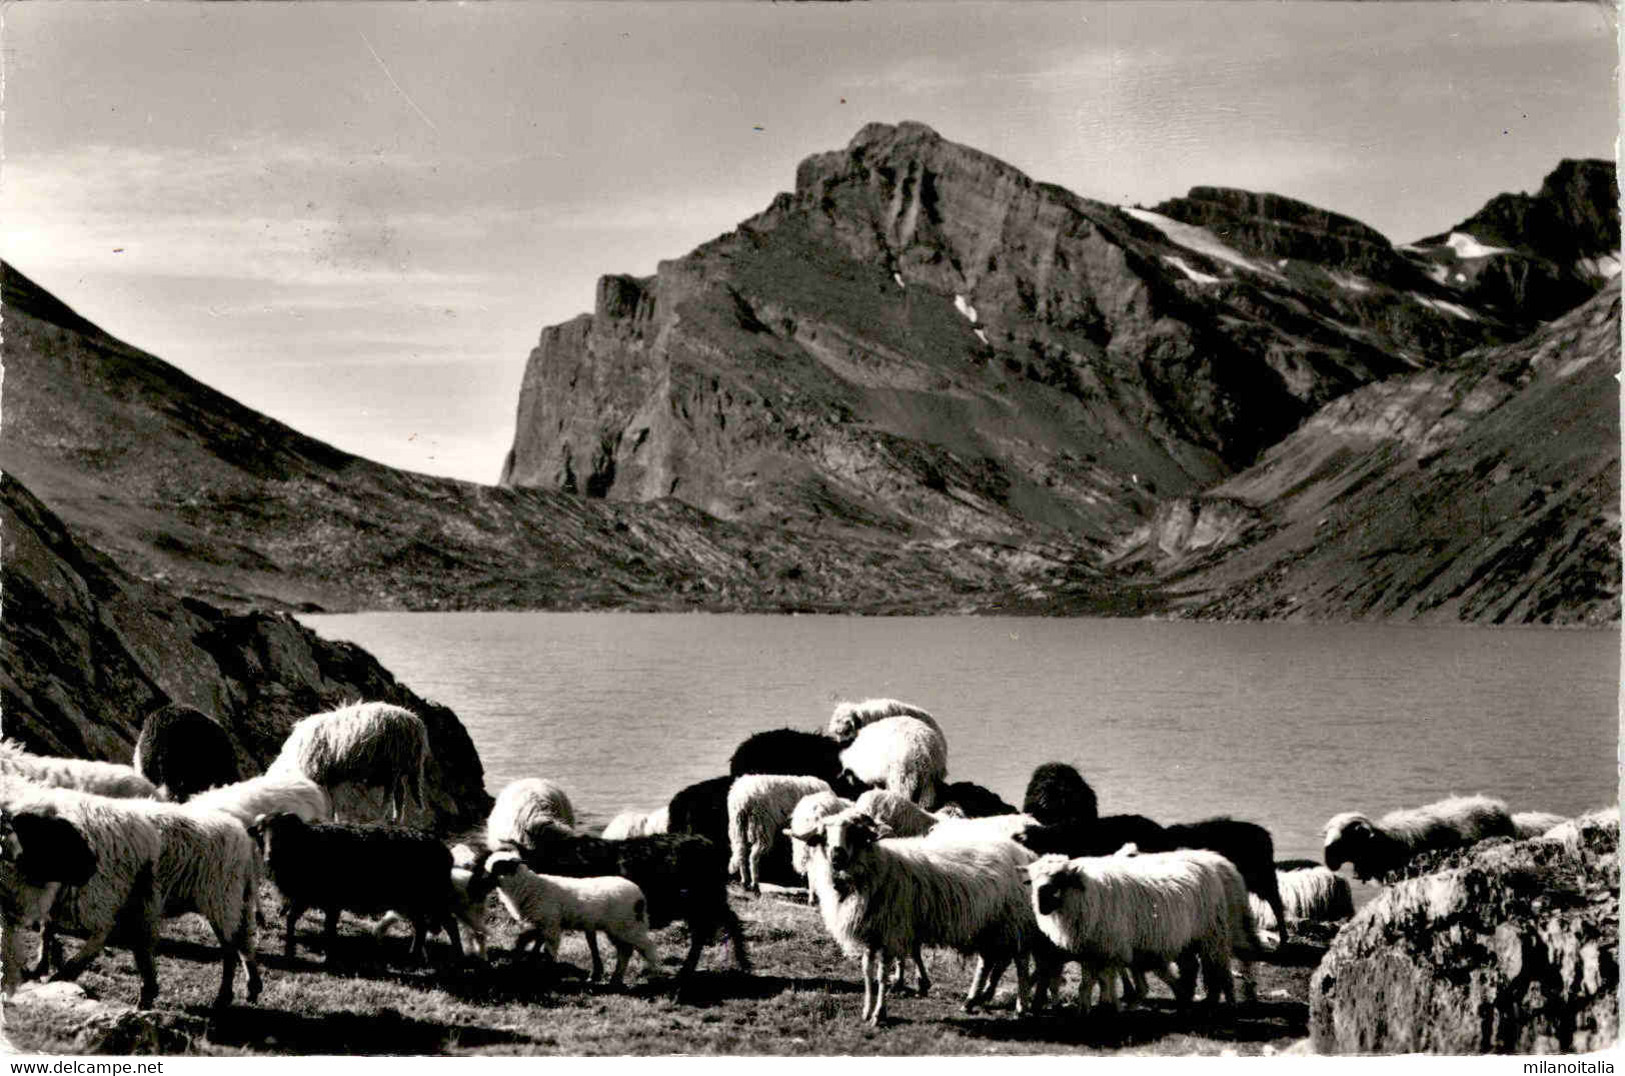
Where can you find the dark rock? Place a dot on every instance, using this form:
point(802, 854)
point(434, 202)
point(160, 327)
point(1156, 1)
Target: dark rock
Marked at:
point(1509, 947)
point(89, 651)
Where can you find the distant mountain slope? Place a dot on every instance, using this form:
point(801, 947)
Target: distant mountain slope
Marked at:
point(185, 486)
point(921, 337)
point(1533, 256)
point(1487, 490)
point(88, 651)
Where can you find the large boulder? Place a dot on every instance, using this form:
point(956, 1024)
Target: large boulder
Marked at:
point(1506, 947)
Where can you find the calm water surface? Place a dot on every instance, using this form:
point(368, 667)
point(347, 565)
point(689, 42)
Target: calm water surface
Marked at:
point(1279, 724)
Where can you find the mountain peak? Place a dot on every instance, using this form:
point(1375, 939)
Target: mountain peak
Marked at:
point(877, 133)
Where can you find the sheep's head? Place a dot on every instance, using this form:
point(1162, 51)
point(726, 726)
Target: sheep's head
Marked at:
point(1350, 838)
point(269, 829)
point(1050, 877)
point(843, 724)
point(845, 836)
point(500, 865)
point(43, 848)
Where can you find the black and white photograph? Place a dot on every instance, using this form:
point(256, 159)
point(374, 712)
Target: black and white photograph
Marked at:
point(900, 528)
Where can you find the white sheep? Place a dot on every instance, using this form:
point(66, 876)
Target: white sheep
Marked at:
point(759, 807)
point(809, 811)
point(210, 865)
point(898, 813)
point(1534, 823)
point(1126, 914)
point(637, 824)
point(886, 899)
point(1571, 831)
point(367, 744)
point(900, 754)
point(84, 775)
point(990, 827)
point(269, 793)
point(1307, 893)
point(546, 905)
point(1375, 848)
point(626, 824)
point(85, 863)
point(522, 809)
point(907, 819)
point(849, 717)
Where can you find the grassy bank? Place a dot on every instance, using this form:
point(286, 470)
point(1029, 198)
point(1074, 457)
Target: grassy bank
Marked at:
point(803, 998)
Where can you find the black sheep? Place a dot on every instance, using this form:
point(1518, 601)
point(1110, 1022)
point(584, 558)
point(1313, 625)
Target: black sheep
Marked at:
point(972, 800)
point(791, 752)
point(682, 877)
point(702, 810)
point(1101, 837)
point(186, 751)
point(1057, 795)
point(367, 869)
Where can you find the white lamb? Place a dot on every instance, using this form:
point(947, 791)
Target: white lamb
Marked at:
point(886, 899)
point(84, 775)
point(759, 808)
point(546, 905)
point(901, 754)
point(1376, 848)
point(1126, 914)
point(849, 717)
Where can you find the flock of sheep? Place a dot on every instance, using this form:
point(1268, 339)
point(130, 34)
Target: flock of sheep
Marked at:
point(897, 858)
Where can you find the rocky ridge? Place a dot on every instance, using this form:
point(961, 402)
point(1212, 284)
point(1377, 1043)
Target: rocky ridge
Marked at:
point(922, 338)
point(89, 651)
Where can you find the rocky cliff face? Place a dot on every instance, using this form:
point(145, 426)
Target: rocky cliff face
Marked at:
point(1485, 490)
point(922, 338)
point(89, 651)
point(189, 489)
point(1503, 948)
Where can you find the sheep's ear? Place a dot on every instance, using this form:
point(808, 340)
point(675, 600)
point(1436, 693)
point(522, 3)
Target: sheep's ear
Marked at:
point(882, 831)
point(500, 866)
point(53, 850)
point(812, 837)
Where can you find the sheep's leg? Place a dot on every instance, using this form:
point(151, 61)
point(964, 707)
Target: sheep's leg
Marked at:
point(228, 969)
point(1108, 989)
point(1184, 982)
point(11, 944)
point(419, 953)
point(380, 929)
point(448, 923)
point(919, 966)
point(978, 983)
point(736, 936)
point(246, 945)
point(70, 969)
point(145, 951)
point(330, 934)
point(753, 865)
point(623, 953)
point(294, 912)
point(597, 961)
point(50, 951)
point(1024, 999)
point(696, 942)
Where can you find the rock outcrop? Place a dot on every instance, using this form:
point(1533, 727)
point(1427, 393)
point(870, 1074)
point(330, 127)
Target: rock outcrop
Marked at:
point(88, 651)
point(1506, 947)
point(922, 338)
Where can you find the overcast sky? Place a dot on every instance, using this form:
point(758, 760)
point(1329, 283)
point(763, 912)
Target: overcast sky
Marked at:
point(358, 217)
